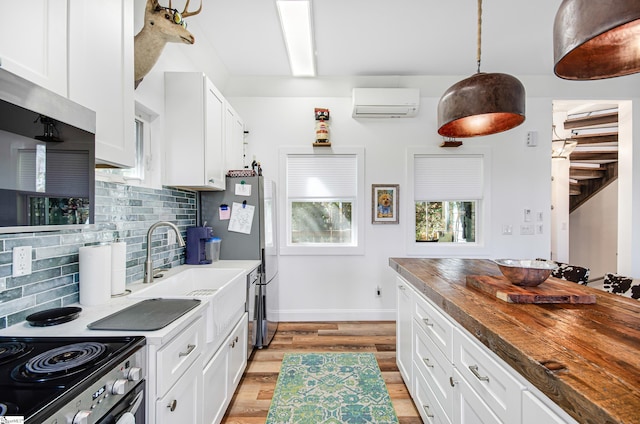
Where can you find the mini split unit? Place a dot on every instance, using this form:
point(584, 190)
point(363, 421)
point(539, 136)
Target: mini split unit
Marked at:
point(385, 102)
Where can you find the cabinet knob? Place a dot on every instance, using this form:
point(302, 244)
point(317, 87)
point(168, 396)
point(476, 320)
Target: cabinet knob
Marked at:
point(427, 411)
point(474, 370)
point(189, 350)
point(211, 180)
point(173, 405)
point(427, 322)
point(426, 362)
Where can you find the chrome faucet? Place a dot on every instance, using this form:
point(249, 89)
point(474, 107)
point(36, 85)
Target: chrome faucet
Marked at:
point(148, 264)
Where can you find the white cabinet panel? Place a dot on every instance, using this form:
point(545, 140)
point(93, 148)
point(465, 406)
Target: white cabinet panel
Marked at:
point(438, 327)
point(428, 407)
point(194, 132)
point(33, 42)
point(404, 351)
point(182, 403)
point(493, 382)
point(234, 139)
point(101, 74)
point(470, 406)
point(534, 411)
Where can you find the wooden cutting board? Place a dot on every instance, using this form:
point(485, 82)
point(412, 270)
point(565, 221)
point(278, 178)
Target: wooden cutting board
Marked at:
point(552, 290)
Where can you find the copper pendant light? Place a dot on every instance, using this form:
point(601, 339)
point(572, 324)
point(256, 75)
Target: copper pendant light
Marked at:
point(482, 104)
point(596, 39)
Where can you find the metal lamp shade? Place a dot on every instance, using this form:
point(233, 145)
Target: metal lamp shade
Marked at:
point(482, 104)
point(596, 39)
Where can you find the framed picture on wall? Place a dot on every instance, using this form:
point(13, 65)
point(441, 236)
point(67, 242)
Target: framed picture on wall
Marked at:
point(385, 200)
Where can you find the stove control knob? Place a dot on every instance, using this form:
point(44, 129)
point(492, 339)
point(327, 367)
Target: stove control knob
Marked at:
point(82, 417)
point(118, 387)
point(133, 374)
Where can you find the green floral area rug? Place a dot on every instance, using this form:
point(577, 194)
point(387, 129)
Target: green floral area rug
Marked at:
point(330, 388)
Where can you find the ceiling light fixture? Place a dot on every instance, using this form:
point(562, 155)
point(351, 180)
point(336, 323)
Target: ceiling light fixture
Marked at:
point(561, 148)
point(482, 104)
point(297, 30)
point(596, 39)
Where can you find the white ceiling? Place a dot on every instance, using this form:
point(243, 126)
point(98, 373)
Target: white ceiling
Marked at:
point(385, 37)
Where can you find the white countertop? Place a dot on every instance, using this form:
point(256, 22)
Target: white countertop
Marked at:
point(89, 314)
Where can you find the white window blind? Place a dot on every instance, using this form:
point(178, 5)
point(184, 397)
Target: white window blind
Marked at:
point(322, 176)
point(439, 177)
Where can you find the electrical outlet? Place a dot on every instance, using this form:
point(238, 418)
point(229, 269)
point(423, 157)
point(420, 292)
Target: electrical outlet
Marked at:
point(532, 138)
point(21, 261)
point(526, 230)
point(171, 238)
point(507, 230)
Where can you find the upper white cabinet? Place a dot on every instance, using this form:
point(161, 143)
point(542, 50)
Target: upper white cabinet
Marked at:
point(234, 138)
point(194, 132)
point(33, 42)
point(101, 74)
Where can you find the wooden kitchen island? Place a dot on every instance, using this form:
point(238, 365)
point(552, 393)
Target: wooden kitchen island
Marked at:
point(584, 357)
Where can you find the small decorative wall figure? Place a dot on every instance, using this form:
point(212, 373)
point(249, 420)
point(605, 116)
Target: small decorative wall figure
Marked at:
point(322, 127)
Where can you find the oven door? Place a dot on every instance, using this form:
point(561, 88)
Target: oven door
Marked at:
point(130, 409)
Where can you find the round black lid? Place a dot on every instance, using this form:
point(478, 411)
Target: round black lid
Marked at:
point(54, 316)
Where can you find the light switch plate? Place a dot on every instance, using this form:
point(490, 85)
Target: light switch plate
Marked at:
point(21, 261)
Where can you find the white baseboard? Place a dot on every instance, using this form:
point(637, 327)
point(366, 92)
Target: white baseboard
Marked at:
point(310, 315)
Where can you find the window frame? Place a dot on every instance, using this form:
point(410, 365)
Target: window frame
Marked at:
point(358, 204)
point(483, 206)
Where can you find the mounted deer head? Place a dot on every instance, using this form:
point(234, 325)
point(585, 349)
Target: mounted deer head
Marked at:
point(161, 26)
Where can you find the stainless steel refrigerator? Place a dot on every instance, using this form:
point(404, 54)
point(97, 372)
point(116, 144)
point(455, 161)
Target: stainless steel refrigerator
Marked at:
point(256, 239)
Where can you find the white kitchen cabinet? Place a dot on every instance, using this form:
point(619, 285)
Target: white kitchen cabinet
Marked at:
point(33, 42)
point(222, 374)
point(101, 74)
point(404, 302)
point(194, 132)
point(234, 139)
point(455, 378)
point(182, 402)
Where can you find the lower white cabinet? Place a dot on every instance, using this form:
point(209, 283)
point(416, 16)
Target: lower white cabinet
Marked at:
point(453, 378)
point(221, 375)
point(181, 403)
point(404, 298)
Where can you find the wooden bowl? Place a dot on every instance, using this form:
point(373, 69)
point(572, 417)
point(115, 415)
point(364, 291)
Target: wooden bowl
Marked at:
point(525, 272)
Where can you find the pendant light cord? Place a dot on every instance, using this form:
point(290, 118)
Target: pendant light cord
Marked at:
point(479, 33)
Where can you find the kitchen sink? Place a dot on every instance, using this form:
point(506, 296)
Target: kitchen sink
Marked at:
point(223, 289)
point(192, 282)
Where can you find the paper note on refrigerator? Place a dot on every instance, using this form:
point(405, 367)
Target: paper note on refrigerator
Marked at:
point(243, 189)
point(241, 218)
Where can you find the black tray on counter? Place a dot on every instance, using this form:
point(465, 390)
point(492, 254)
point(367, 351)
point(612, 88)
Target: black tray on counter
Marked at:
point(147, 315)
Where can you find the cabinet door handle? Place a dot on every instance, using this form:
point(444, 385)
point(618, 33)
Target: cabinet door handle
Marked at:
point(211, 180)
point(474, 370)
point(452, 382)
point(427, 411)
point(173, 405)
point(402, 287)
point(233, 344)
point(427, 322)
point(426, 362)
point(189, 350)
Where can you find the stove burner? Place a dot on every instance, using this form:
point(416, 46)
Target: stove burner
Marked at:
point(12, 350)
point(60, 362)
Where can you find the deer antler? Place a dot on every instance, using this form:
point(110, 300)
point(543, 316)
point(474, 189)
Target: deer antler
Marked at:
point(185, 13)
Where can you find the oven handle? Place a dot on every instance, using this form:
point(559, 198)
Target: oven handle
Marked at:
point(135, 404)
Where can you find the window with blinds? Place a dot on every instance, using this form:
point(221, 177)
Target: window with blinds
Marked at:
point(322, 195)
point(447, 193)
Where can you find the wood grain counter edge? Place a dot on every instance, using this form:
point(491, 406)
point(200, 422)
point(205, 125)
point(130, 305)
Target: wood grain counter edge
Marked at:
point(585, 358)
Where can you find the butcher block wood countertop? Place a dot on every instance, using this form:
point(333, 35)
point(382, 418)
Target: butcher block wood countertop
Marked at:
point(586, 358)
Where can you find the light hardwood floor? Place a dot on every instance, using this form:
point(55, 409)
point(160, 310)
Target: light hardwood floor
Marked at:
point(251, 401)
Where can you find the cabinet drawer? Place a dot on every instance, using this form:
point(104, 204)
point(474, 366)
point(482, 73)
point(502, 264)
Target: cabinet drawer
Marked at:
point(428, 407)
point(435, 324)
point(181, 404)
point(435, 367)
point(176, 356)
point(492, 381)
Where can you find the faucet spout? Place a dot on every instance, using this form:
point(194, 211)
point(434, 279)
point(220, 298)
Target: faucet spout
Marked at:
point(148, 264)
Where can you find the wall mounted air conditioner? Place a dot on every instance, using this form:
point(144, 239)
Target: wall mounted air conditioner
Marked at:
point(385, 102)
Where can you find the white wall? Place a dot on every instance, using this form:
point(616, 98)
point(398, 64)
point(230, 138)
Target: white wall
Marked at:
point(594, 233)
point(343, 287)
